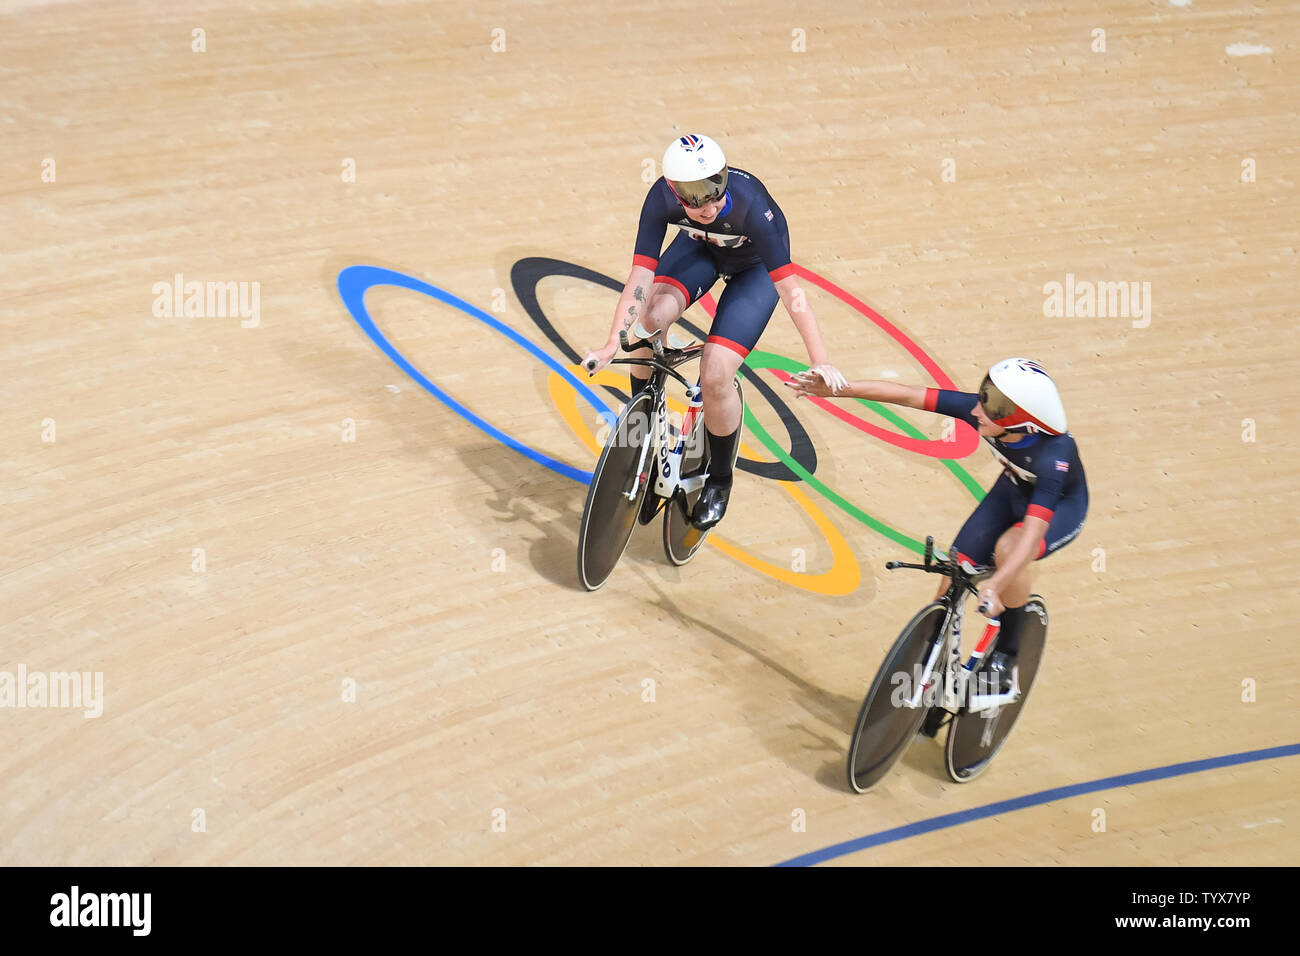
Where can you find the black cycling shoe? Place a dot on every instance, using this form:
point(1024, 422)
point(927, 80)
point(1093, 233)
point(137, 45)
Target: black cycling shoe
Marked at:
point(711, 506)
point(999, 669)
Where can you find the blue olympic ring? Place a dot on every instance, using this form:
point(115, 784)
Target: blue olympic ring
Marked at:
point(354, 281)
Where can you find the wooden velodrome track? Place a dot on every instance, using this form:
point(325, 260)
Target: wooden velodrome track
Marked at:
point(434, 567)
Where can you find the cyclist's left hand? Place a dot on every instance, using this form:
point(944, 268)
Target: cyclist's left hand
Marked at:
point(832, 376)
point(990, 604)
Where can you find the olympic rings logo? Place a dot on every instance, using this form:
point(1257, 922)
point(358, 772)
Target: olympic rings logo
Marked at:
point(796, 463)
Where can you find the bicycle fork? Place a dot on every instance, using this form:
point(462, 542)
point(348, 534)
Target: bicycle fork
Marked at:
point(631, 493)
point(670, 446)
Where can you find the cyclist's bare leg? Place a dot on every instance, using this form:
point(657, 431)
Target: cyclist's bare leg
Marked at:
point(1014, 595)
point(665, 307)
point(1015, 592)
point(722, 412)
point(718, 366)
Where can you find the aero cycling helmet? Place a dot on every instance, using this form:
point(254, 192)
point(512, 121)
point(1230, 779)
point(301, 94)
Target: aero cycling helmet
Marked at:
point(696, 170)
point(1020, 396)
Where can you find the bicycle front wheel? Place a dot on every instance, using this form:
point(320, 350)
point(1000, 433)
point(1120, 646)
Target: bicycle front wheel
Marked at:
point(886, 725)
point(610, 515)
point(974, 739)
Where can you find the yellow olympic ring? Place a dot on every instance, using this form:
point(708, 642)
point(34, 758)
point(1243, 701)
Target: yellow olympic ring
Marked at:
point(844, 575)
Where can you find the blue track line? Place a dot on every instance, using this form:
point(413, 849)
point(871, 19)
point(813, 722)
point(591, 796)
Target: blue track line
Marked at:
point(1036, 799)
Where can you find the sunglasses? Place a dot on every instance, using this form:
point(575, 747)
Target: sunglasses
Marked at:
point(699, 194)
point(996, 405)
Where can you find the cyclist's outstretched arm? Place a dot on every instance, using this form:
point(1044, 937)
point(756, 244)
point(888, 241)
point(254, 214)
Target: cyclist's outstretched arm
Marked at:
point(909, 396)
point(805, 323)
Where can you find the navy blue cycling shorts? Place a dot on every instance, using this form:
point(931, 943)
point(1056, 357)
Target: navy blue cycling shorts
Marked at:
point(1003, 508)
point(746, 304)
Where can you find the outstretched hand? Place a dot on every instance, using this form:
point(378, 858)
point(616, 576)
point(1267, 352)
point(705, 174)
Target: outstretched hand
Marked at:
point(817, 382)
point(832, 376)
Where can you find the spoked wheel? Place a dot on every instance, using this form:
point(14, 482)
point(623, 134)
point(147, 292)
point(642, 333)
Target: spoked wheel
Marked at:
point(610, 516)
point(681, 539)
point(885, 725)
point(974, 738)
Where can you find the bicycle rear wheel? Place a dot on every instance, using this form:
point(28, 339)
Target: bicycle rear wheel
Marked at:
point(609, 516)
point(885, 726)
point(974, 739)
point(681, 539)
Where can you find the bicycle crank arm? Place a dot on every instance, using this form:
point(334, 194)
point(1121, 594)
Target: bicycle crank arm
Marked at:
point(982, 702)
point(693, 484)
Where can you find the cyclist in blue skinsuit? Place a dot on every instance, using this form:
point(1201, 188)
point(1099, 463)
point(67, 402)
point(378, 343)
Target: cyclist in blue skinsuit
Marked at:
point(729, 227)
point(1037, 505)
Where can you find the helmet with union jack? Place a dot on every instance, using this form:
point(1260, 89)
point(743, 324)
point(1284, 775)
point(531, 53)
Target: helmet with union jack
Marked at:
point(1020, 396)
point(696, 170)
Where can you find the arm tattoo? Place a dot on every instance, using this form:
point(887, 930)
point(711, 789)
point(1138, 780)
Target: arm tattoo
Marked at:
point(632, 311)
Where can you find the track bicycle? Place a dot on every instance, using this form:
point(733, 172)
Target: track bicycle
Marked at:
point(648, 464)
point(924, 685)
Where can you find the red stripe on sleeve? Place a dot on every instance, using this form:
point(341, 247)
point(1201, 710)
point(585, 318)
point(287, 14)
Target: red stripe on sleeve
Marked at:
point(646, 262)
point(779, 274)
point(931, 399)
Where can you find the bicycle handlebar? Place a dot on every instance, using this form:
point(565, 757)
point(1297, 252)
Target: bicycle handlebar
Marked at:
point(952, 567)
point(653, 341)
point(664, 358)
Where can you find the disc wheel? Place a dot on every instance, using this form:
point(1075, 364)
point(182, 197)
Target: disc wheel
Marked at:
point(885, 726)
point(975, 738)
point(609, 516)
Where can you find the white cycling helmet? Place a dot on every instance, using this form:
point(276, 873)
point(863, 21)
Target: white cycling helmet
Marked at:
point(1020, 396)
point(696, 170)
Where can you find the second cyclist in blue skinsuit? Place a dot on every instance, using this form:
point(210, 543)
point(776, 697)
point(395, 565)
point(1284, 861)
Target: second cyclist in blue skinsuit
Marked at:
point(1039, 502)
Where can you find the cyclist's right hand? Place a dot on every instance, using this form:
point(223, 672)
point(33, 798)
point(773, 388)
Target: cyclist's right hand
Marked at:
point(808, 384)
point(598, 359)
